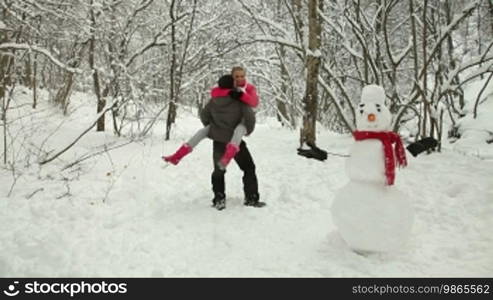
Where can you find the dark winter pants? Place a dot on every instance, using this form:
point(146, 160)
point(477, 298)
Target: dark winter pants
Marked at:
point(244, 161)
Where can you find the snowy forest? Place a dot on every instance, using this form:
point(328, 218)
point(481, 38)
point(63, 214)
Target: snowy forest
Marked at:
point(93, 92)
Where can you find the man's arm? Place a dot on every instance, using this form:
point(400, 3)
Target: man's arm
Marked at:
point(205, 115)
point(248, 119)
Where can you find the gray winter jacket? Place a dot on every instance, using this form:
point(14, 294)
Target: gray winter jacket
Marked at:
point(223, 114)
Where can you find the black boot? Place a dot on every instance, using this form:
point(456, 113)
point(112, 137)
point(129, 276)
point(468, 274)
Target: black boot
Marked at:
point(219, 201)
point(253, 200)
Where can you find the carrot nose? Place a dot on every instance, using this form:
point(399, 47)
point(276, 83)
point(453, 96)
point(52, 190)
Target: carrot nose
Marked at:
point(372, 117)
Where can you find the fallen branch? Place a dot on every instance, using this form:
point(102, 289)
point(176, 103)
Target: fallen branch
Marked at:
point(95, 154)
point(34, 193)
point(108, 107)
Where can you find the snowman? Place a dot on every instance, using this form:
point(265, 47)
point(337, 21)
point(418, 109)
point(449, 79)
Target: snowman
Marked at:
point(372, 215)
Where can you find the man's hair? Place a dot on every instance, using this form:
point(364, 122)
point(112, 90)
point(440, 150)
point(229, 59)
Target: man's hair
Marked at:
point(226, 82)
point(237, 68)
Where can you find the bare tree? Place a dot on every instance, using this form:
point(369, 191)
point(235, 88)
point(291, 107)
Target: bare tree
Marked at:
point(313, 60)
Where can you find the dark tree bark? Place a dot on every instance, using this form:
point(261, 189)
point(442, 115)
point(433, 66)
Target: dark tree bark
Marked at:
point(313, 60)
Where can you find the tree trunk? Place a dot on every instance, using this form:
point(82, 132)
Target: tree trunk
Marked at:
point(4, 125)
point(5, 102)
point(4, 121)
point(95, 76)
point(424, 45)
point(308, 132)
point(112, 89)
point(282, 112)
point(282, 109)
point(35, 81)
point(6, 62)
point(379, 62)
point(415, 58)
point(299, 20)
point(172, 104)
point(27, 75)
point(440, 132)
point(479, 32)
point(62, 96)
point(452, 61)
point(491, 16)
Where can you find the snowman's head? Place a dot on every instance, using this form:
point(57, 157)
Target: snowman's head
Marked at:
point(371, 113)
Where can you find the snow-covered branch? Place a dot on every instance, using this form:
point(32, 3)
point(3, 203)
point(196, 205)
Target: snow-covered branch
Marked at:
point(361, 39)
point(446, 32)
point(488, 64)
point(280, 41)
point(43, 51)
point(333, 96)
point(155, 42)
point(338, 31)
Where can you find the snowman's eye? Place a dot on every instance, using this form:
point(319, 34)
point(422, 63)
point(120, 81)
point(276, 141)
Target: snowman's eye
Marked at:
point(362, 105)
point(379, 110)
point(361, 111)
point(378, 105)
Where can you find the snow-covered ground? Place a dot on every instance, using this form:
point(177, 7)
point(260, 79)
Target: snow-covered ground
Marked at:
point(124, 214)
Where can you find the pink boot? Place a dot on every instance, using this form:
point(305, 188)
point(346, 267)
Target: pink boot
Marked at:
point(229, 154)
point(179, 154)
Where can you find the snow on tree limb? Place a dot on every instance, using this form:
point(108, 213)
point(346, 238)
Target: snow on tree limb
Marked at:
point(337, 30)
point(358, 33)
point(155, 42)
point(446, 32)
point(328, 89)
point(399, 57)
point(449, 86)
point(273, 25)
point(275, 40)
point(43, 51)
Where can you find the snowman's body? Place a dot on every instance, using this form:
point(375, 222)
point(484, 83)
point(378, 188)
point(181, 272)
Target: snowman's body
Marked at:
point(370, 215)
point(366, 162)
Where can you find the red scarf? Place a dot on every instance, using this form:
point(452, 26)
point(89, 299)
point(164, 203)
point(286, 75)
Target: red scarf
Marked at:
point(387, 138)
